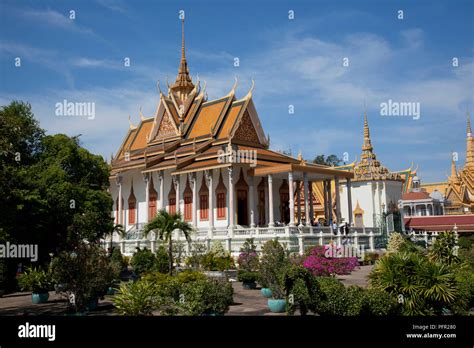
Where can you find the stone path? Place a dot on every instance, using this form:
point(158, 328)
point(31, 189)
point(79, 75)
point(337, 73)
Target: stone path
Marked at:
point(249, 302)
point(358, 277)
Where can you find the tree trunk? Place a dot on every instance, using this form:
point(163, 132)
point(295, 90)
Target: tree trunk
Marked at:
point(170, 255)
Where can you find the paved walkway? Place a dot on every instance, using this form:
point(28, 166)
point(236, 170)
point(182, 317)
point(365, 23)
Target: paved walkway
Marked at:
point(359, 277)
point(249, 302)
point(246, 302)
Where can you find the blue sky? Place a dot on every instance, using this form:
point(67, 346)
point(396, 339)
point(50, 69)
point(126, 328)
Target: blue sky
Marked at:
point(293, 62)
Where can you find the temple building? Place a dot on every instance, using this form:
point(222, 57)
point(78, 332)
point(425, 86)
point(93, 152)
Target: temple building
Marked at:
point(210, 160)
point(458, 190)
point(374, 190)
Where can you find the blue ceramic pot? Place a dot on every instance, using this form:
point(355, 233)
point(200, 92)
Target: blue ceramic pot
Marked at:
point(92, 304)
point(266, 292)
point(39, 298)
point(249, 285)
point(277, 306)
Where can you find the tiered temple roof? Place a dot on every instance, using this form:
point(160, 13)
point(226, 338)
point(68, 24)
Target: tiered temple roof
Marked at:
point(188, 131)
point(459, 188)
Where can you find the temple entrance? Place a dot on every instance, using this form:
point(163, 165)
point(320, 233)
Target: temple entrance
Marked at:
point(242, 208)
point(284, 202)
point(242, 190)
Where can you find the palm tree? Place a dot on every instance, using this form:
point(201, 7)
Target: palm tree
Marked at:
point(166, 223)
point(116, 228)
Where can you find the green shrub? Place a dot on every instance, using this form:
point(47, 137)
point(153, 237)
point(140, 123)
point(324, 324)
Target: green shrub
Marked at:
point(273, 261)
point(35, 280)
point(84, 272)
point(301, 290)
point(247, 276)
point(334, 298)
point(443, 249)
point(378, 303)
point(212, 262)
point(143, 260)
point(189, 276)
point(425, 287)
point(465, 242)
point(117, 262)
point(204, 297)
point(395, 241)
point(464, 276)
point(162, 260)
point(156, 277)
point(355, 300)
point(136, 298)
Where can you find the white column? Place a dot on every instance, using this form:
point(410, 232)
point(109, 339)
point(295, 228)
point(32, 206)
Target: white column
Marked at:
point(252, 201)
point(178, 194)
point(338, 202)
point(310, 201)
point(306, 203)
point(193, 178)
point(230, 208)
point(120, 208)
point(271, 221)
point(298, 201)
point(162, 190)
point(349, 200)
point(330, 217)
point(211, 199)
point(147, 195)
point(292, 201)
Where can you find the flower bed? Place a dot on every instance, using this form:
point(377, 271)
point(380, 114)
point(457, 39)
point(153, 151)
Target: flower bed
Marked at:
point(320, 265)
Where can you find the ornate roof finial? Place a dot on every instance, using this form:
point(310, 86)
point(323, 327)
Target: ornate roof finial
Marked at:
point(159, 88)
point(249, 94)
point(141, 114)
point(300, 156)
point(130, 122)
point(235, 85)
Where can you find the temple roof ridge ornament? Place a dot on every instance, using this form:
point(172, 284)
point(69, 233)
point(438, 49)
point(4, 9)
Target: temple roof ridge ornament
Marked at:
point(132, 126)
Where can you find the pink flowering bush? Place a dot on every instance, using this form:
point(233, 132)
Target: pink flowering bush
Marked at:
point(320, 265)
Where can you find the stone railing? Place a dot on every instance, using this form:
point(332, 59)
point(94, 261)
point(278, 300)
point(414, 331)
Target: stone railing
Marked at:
point(296, 238)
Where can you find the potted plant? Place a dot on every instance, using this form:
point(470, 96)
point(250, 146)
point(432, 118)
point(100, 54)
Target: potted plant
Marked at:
point(38, 282)
point(248, 279)
point(248, 265)
point(277, 302)
point(273, 260)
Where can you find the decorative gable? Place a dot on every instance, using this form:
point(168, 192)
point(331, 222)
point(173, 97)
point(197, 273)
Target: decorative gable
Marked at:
point(246, 131)
point(167, 128)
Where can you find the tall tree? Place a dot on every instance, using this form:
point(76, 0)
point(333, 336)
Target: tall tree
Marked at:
point(53, 192)
point(331, 160)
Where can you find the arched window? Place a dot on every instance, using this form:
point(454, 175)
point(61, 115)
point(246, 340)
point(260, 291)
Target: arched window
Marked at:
point(221, 193)
point(172, 200)
point(153, 196)
point(203, 200)
point(188, 202)
point(132, 201)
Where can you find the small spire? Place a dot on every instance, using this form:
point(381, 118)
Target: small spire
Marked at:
point(453, 169)
point(469, 129)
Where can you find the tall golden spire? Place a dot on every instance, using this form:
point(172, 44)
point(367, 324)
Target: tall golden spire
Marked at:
point(454, 172)
point(367, 143)
point(183, 85)
point(369, 168)
point(469, 145)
